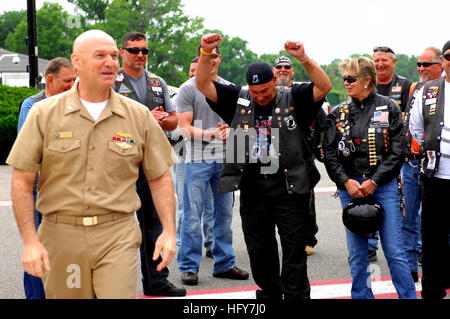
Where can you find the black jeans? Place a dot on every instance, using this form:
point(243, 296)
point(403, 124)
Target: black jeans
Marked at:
point(260, 213)
point(435, 238)
point(151, 228)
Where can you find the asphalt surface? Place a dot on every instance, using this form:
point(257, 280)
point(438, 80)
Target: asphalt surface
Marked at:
point(328, 263)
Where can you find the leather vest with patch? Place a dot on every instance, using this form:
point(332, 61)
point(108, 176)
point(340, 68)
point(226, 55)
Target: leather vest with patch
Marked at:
point(291, 153)
point(408, 136)
point(397, 88)
point(433, 122)
point(154, 97)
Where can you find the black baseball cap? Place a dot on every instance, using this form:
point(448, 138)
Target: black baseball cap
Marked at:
point(259, 73)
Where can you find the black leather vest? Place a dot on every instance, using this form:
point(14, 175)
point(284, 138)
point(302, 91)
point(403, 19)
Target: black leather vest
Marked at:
point(154, 97)
point(291, 153)
point(433, 122)
point(408, 136)
point(397, 88)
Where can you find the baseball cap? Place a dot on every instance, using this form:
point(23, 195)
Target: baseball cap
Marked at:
point(259, 73)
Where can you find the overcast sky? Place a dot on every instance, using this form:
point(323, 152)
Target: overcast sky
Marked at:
point(329, 29)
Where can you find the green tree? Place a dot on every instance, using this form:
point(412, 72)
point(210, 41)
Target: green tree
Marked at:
point(407, 67)
point(236, 57)
point(94, 9)
point(9, 20)
point(55, 32)
point(172, 35)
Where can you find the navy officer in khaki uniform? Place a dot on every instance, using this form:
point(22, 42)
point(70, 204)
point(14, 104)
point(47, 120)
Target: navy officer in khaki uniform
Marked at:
point(88, 144)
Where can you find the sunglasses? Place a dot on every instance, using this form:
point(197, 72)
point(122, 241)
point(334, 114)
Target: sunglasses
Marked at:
point(447, 56)
point(137, 50)
point(383, 49)
point(280, 66)
point(426, 64)
point(214, 56)
point(350, 78)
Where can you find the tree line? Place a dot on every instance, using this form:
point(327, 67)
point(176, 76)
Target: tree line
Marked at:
point(173, 39)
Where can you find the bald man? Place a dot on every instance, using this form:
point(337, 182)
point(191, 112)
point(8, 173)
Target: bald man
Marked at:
point(87, 144)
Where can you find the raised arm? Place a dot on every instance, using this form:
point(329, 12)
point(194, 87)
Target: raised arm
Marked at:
point(322, 84)
point(203, 75)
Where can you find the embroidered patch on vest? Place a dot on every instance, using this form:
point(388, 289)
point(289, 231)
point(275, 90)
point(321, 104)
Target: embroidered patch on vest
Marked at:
point(432, 92)
point(120, 77)
point(123, 89)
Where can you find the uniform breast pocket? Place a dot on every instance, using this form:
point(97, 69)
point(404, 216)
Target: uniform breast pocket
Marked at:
point(122, 161)
point(62, 153)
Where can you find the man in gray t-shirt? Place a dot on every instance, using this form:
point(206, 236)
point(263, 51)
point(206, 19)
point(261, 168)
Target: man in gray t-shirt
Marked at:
point(205, 152)
point(196, 114)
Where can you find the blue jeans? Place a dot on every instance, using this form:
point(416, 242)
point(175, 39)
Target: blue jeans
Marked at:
point(198, 177)
point(34, 289)
point(412, 189)
point(390, 237)
point(180, 169)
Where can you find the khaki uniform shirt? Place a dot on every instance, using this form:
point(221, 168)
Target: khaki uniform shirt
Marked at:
point(90, 168)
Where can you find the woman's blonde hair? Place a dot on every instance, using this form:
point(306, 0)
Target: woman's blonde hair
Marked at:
point(362, 66)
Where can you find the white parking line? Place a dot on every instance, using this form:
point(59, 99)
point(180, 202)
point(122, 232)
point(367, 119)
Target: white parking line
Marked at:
point(337, 289)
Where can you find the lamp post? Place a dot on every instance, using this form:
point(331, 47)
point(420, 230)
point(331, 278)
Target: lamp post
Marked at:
point(32, 67)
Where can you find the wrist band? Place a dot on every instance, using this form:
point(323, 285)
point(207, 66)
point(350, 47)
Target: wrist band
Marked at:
point(306, 59)
point(204, 52)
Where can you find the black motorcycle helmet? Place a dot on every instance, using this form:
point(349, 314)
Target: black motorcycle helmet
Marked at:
point(363, 216)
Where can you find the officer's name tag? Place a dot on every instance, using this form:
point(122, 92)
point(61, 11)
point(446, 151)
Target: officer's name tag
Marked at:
point(157, 88)
point(430, 101)
point(379, 108)
point(63, 134)
point(243, 102)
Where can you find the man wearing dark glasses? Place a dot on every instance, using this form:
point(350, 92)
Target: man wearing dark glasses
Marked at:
point(150, 90)
point(430, 126)
point(429, 67)
point(397, 88)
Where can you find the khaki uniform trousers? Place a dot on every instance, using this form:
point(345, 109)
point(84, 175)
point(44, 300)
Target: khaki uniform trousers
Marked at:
point(86, 262)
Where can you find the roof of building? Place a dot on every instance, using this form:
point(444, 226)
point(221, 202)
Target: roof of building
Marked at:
point(6, 64)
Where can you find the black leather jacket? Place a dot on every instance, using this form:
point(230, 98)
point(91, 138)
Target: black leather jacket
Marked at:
point(349, 148)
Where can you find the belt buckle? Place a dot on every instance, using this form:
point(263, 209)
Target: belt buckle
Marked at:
point(90, 221)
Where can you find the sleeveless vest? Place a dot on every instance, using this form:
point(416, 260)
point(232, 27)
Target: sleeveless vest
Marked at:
point(291, 153)
point(408, 136)
point(154, 96)
point(433, 122)
point(397, 87)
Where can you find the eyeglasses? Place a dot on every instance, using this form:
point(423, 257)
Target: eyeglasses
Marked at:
point(285, 66)
point(426, 64)
point(447, 56)
point(383, 49)
point(137, 50)
point(350, 78)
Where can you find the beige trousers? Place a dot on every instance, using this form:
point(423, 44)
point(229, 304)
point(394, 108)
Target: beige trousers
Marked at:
point(91, 261)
